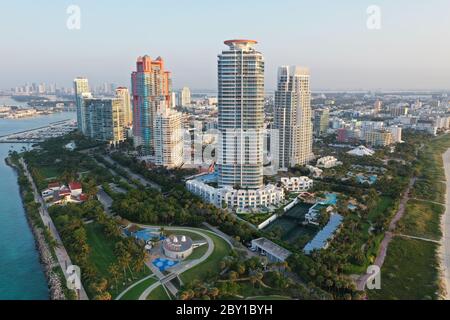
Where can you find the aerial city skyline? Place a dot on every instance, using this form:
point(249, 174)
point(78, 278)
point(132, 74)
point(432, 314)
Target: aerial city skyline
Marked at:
point(237, 151)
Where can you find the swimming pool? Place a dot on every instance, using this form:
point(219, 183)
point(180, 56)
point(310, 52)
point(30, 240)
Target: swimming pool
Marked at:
point(163, 264)
point(147, 234)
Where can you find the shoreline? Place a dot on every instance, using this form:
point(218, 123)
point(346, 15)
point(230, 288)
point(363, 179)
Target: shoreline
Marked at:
point(55, 287)
point(444, 249)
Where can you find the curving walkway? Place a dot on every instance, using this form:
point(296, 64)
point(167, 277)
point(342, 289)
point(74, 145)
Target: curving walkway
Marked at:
point(389, 234)
point(180, 268)
point(133, 285)
point(176, 270)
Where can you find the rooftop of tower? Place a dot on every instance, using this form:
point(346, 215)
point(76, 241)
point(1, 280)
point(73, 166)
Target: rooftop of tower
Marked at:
point(240, 43)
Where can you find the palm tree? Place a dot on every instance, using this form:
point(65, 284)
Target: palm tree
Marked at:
point(114, 270)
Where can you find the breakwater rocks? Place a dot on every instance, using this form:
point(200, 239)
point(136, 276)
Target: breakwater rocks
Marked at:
point(48, 262)
point(55, 285)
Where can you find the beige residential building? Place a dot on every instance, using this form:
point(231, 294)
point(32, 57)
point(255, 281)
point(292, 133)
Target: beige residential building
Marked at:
point(379, 138)
point(293, 117)
point(123, 94)
point(168, 138)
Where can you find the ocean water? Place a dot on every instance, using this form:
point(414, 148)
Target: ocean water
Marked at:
point(21, 275)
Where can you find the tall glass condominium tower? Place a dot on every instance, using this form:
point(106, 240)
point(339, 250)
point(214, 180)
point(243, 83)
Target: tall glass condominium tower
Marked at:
point(241, 115)
point(292, 115)
point(81, 87)
point(151, 87)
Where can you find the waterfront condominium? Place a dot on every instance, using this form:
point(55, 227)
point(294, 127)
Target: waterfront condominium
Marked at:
point(168, 138)
point(241, 115)
point(151, 88)
point(292, 117)
point(321, 121)
point(105, 119)
point(184, 97)
point(124, 94)
point(81, 87)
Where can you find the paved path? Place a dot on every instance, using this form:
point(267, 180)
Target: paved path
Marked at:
point(362, 280)
point(418, 238)
point(138, 177)
point(445, 226)
point(132, 286)
point(430, 201)
point(60, 251)
point(181, 267)
point(105, 200)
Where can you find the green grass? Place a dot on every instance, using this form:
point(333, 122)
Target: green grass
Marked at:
point(158, 294)
point(102, 249)
point(211, 265)
point(422, 219)
point(102, 256)
point(429, 190)
point(49, 172)
point(135, 292)
point(410, 271)
point(198, 252)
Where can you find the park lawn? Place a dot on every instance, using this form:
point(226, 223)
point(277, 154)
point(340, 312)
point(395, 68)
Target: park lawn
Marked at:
point(158, 294)
point(422, 219)
point(135, 292)
point(102, 249)
point(102, 256)
point(429, 190)
point(49, 172)
point(410, 272)
point(210, 265)
point(198, 252)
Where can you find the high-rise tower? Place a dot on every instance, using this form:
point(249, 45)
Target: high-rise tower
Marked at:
point(151, 89)
point(241, 115)
point(81, 87)
point(123, 94)
point(293, 117)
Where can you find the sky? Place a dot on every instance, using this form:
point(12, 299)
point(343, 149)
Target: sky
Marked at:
point(411, 50)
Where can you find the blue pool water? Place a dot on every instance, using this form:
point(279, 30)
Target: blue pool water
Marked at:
point(330, 199)
point(147, 234)
point(163, 264)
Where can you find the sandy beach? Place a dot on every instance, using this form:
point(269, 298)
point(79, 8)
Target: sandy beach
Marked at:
point(444, 251)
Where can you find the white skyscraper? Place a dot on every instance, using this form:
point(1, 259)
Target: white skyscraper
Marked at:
point(241, 115)
point(169, 141)
point(184, 97)
point(81, 87)
point(293, 117)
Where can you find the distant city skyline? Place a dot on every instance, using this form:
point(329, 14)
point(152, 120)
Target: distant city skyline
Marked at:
point(331, 39)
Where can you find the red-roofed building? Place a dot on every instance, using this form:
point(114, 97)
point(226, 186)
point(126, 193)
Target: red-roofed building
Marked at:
point(54, 186)
point(83, 197)
point(75, 189)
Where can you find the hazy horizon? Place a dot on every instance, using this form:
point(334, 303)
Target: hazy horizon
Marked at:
point(411, 51)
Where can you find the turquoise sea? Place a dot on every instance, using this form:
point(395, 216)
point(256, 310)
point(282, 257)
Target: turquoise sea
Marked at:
point(21, 275)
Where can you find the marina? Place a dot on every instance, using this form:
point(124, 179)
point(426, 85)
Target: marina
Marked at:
point(54, 129)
